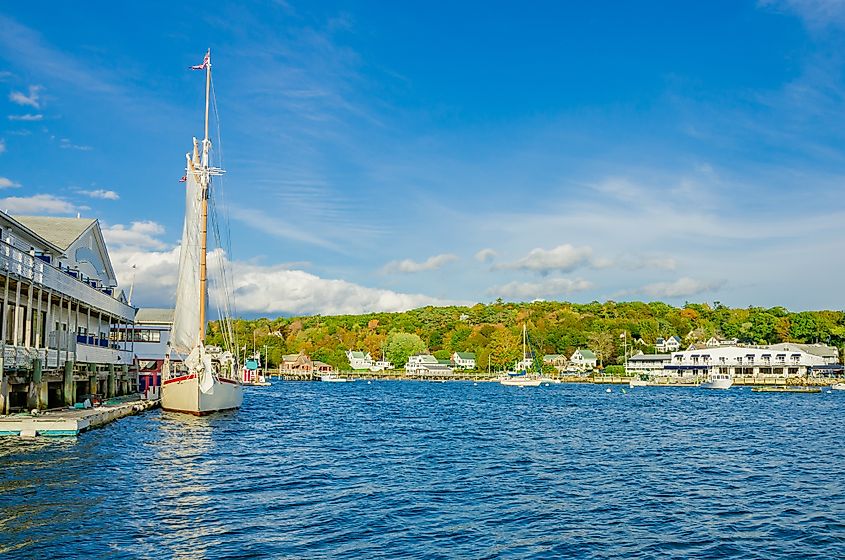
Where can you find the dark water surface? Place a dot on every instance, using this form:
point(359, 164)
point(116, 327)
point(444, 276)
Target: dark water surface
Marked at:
point(454, 470)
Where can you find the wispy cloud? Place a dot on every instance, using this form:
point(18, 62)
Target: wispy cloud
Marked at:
point(682, 287)
point(66, 144)
point(2, 146)
point(101, 193)
point(485, 255)
point(28, 117)
point(6, 183)
point(138, 235)
point(37, 204)
point(815, 13)
point(548, 288)
point(563, 258)
point(408, 266)
point(33, 99)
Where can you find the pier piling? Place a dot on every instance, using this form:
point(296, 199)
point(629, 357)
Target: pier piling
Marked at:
point(68, 385)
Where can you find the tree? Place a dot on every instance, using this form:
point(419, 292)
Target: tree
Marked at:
point(603, 343)
point(504, 347)
point(401, 345)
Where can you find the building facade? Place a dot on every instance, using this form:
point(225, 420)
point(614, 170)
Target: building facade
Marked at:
point(359, 360)
point(64, 324)
point(742, 361)
point(583, 360)
point(463, 360)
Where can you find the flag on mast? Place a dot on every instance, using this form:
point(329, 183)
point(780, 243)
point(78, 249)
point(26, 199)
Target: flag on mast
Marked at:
point(204, 64)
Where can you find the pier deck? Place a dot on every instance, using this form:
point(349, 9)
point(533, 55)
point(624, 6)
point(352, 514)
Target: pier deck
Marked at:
point(70, 421)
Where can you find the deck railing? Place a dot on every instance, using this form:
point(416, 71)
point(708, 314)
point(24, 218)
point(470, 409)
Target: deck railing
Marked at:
point(37, 271)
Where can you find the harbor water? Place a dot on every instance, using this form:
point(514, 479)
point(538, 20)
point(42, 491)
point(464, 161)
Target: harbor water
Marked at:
point(441, 470)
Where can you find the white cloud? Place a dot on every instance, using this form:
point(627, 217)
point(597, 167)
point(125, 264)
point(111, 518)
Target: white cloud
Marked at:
point(6, 183)
point(267, 289)
point(101, 193)
point(29, 117)
point(139, 235)
point(260, 289)
point(66, 144)
point(2, 146)
point(485, 255)
point(36, 204)
point(551, 287)
point(409, 266)
point(563, 258)
point(815, 13)
point(33, 99)
point(682, 287)
point(640, 262)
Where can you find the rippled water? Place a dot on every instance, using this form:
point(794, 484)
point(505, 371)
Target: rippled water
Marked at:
point(430, 470)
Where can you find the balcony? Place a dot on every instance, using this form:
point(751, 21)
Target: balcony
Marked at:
point(38, 271)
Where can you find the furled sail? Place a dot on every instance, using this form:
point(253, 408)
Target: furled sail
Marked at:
point(186, 320)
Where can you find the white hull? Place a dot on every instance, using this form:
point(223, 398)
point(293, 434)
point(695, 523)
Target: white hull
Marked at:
point(332, 378)
point(639, 383)
point(520, 381)
point(182, 394)
point(717, 384)
point(838, 386)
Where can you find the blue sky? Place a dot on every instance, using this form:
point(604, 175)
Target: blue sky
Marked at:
point(382, 156)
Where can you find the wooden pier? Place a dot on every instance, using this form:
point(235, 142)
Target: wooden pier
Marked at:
point(70, 421)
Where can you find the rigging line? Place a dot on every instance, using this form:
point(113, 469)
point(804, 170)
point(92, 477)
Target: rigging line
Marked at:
point(220, 144)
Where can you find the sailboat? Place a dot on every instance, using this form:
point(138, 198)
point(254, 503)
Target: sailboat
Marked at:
point(520, 377)
point(207, 380)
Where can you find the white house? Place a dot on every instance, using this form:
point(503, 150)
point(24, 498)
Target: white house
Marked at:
point(463, 360)
point(671, 344)
point(381, 365)
point(583, 359)
point(743, 361)
point(423, 364)
point(714, 342)
point(359, 360)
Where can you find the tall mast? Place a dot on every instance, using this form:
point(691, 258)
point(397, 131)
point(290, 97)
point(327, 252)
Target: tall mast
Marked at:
point(204, 180)
point(523, 342)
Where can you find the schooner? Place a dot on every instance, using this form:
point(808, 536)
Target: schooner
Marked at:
point(197, 379)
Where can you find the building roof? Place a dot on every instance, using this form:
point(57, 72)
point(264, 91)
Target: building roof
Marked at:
point(650, 358)
point(553, 356)
point(357, 354)
point(587, 354)
point(466, 355)
point(61, 232)
point(822, 350)
point(154, 315)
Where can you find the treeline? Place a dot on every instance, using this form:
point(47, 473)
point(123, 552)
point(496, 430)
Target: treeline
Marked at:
point(493, 332)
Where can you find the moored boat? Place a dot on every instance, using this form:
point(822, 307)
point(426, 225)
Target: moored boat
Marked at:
point(197, 379)
point(838, 387)
point(332, 378)
point(718, 381)
point(521, 377)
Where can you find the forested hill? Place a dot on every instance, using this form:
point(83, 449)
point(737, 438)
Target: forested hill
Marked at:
point(494, 331)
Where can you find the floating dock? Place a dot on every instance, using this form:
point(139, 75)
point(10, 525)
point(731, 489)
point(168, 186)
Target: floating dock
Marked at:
point(787, 389)
point(70, 421)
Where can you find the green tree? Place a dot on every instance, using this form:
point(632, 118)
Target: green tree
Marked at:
point(401, 345)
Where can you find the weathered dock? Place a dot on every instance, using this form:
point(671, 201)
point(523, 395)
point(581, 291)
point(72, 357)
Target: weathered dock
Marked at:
point(70, 421)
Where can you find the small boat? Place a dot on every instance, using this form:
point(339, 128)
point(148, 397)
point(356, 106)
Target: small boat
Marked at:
point(641, 381)
point(718, 381)
point(332, 378)
point(521, 377)
point(838, 387)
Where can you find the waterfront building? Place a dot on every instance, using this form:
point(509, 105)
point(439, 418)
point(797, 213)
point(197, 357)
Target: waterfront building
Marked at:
point(423, 364)
point(150, 337)
point(743, 361)
point(830, 354)
point(559, 361)
point(64, 322)
point(321, 368)
point(583, 360)
point(381, 365)
point(359, 360)
point(647, 363)
point(671, 344)
point(714, 342)
point(463, 360)
point(299, 364)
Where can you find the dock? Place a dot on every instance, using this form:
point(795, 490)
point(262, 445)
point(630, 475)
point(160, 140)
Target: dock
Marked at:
point(70, 421)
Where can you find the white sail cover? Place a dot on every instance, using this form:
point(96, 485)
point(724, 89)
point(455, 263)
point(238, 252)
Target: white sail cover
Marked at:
point(186, 319)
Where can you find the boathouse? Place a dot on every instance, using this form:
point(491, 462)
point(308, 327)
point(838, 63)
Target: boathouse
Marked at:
point(65, 323)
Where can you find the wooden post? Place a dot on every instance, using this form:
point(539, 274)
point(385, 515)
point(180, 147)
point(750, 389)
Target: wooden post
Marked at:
point(110, 386)
point(68, 389)
point(4, 389)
